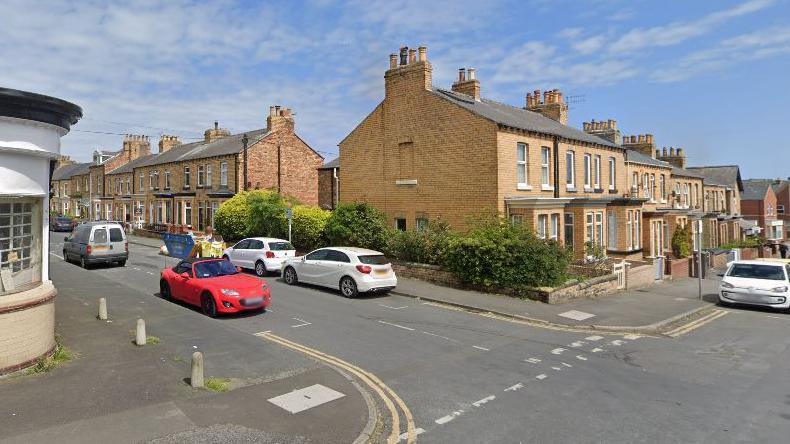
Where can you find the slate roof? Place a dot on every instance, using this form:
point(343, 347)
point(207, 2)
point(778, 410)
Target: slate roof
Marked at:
point(683, 172)
point(637, 157)
point(69, 171)
point(755, 189)
point(129, 166)
point(728, 175)
point(519, 118)
point(334, 163)
point(201, 150)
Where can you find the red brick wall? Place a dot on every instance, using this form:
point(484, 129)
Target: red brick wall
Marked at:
point(678, 268)
point(327, 189)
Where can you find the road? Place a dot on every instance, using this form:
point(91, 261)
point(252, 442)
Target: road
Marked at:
point(466, 377)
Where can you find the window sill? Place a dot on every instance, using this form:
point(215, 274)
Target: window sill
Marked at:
point(546, 188)
point(523, 186)
point(613, 191)
point(570, 187)
point(588, 190)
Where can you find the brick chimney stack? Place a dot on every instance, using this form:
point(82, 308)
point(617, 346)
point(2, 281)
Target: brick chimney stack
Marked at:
point(409, 71)
point(279, 118)
point(64, 160)
point(675, 157)
point(167, 142)
point(607, 130)
point(215, 133)
point(135, 146)
point(467, 83)
point(642, 143)
point(552, 106)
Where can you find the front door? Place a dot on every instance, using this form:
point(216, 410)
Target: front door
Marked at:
point(656, 238)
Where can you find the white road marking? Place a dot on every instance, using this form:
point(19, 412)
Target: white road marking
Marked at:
point(151, 273)
point(594, 338)
point(556, 368)
point(393, 308)
point(532, 360)
point(441, 337)
point(484, 400)
point(513, 388)
point(135, 268)
point(261, 333)
point(596, 350)
point(680, 299)
point(774, 317)
point(303, 323)
point(306, 398)
point(557, 351)
point(57, 256)
point(577, 344)
point(541, 376)
point(576, 315)
point(418, 431)
point(480, 348)
point(396, 325)
point(566, 365)
point(448, 418)
point(631, 337)
point(617, 342)
point(581, 358)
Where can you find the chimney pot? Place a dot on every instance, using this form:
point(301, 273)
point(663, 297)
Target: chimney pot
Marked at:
point(641, 138)
point(537, 96)
point(412, 56)
point(612, 124)
point(664, 152)
point(461, 75)
point(422, 54)
point(404, 54)
point(658, 153)
point(271, 111)
point(216, 125)
point(471, 73)
point(633, 139)
point(393, 61)
point(671, 151)
point(680, 152)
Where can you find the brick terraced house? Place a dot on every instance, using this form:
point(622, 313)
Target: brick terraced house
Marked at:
point(184, 184)
point(426, 152)
point(759, 203)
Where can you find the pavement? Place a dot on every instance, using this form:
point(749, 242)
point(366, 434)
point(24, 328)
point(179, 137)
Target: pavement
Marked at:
point(463, 376)
point(116, 391)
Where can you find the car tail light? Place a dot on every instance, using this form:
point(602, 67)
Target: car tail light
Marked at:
point(269, 254)
point(88, 250)
point(364, 269)
point(126, 247)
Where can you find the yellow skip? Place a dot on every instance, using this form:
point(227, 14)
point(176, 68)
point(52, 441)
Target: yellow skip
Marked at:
point(366, 377)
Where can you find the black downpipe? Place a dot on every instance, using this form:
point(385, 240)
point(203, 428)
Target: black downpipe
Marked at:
point(556, 166)
point(244, 141)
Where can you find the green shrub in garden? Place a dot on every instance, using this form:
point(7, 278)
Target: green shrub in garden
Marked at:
point(267, 214)
point(357, 225)
point(681, 242)
point(500, 254)
point(231, 218)
point(426, 246)
point(308, 224)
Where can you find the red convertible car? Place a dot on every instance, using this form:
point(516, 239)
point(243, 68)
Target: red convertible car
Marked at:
point(215, 285)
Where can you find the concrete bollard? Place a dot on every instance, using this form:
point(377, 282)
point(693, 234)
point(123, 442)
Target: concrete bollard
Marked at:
point(102, 309)
point(196, 381)
point(141, 338)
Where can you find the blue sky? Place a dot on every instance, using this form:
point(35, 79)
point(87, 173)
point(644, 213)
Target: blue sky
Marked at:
point(711, 77)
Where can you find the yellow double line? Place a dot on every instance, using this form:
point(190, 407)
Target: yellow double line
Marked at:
point(693, 325)
point(387, 395)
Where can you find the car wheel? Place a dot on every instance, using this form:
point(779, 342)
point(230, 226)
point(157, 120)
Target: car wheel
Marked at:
point(289, 275)
point(83, 264)
point(164, 289)
point(260, 269)
point(208, 305)
point(348, 287)
point(122, 263)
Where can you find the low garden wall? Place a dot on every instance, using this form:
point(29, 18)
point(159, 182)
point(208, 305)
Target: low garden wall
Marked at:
point(678, 268)
point(428, 273)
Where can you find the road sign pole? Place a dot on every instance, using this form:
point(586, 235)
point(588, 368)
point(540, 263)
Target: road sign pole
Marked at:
point(699, 258)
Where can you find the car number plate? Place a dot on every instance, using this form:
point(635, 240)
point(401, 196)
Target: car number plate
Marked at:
point(254, 301)
point(382, 272)
point(100, 248)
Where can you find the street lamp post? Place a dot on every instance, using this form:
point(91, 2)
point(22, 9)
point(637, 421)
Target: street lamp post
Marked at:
point(244, 141)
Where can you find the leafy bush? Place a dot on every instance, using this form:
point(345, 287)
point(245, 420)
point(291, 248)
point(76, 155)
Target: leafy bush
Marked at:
point(267, 214)
point(501, 254)
point(231, 219)
point(681, 242)
point(426, 246)
point(357, 225)
point(308, 227)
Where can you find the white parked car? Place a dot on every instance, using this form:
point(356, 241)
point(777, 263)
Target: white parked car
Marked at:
point(349, 269)
point(262, 254)
point(765, 283)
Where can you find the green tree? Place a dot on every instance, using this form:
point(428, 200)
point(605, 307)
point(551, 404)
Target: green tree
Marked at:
point(267, 214)
point(357, 225)
point(681, 242)
point(308, 227)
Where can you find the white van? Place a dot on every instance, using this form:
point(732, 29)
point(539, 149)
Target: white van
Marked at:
point(97, 242)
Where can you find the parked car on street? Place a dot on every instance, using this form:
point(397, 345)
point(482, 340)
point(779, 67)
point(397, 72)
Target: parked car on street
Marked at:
point(351, 270)
point(96, 242)
point(61, 223)
point(262, 254)
point(214, 285)
point(764, 283)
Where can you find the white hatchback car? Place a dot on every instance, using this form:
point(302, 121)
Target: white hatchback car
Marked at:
point(351, 270)
point(763, 283)
point(262, 254)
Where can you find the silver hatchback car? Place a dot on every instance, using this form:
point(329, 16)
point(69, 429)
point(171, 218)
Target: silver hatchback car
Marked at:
point(97, 242)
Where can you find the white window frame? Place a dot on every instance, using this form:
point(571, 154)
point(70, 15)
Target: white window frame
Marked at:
point(223, 174)
point(662, 185)
point(522, 166)
point(599, 228)
point(612, 173)
point(187, 177)
point(587, 172)
point(208, 175)
point(597, 172)
point(589, 227)
point(652, 187)
point(780, 209)
point(629, 235)
point(545, 168)
point(570, 170)
point(201, 177)
point(142, 183)
point(516, 219)
point(554, 225)
point(167, 179)
point(542, 225)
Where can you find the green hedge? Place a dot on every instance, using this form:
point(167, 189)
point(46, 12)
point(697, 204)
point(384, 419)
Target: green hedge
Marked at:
point(252, 213)
point(308, 227)
point(500, 254)
point(426, 246)
point(357, 225)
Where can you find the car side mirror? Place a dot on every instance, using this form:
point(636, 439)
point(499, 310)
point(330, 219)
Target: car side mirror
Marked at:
point(238, 269)
point(184, 275)
point(721, 275)
point(303, 258)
